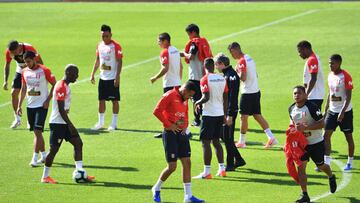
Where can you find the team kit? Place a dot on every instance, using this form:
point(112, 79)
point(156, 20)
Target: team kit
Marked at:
point(213, 86)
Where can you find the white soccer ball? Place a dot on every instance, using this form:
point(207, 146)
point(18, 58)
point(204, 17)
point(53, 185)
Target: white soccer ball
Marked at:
point(79, 176)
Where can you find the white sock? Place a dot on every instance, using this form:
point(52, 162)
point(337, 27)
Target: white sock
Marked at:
point(17, 117)
point(158, 184)
point(221, 167)
point(46, 172)
point(101, 118)
point(269, 133)
point(78, 164)
point(350, 160)
point(207, 169)
point(43, 155)
point(35, 157)
point(327, 159)
point(242, 138)
point(114, 120)
point(187, 190)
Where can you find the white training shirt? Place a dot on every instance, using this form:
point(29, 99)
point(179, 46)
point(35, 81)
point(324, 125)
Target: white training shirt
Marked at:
point(61, 93)
point(247, 65)
point(313, 65)
point(36, 81)
point(108, 55)
point(338, 84)
point(171, 56)
point(215, 85)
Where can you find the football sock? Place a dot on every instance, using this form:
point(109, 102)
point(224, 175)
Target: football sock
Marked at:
point(242, 138)
point(78, 164)
point(269, 133)
point(158, 185)
point(17, 117)
point(43, 155)
point(221, 167)
point(101, 118)
point(207, 169)
point(114, 120)
point(46, 172)
point(350, 160)
point(35, 157)
point(187, 190)
point(327, 159)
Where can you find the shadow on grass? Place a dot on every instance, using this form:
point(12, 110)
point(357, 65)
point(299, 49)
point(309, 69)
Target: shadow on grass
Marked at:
point(88, 131)
point(271, 181)
point(269, 173)
point(352, 199)
point(262, 131)
point(121, 168)
point(119, 185)
point(345, 156)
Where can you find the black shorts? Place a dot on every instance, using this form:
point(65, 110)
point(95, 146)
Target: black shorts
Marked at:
point(316, 152)
point(166, 89)
point(346, 125)
point(175, 145)
point(250, 104)
point(58, 132)
point(36, 118)
point(317, 102)
point(16, 84)
point(211, 127)
point(107, 91)
point(197, 96)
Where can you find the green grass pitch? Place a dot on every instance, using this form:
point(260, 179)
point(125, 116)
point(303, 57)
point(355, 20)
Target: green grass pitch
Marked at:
point(127, 162)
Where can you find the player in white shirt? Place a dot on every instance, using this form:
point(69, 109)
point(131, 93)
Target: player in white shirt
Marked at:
point(109, 59)
point(338, 108)
point(171, 66)
point(35, 80)
point(250, 96)
point(313, 74)
point(60, 125)
point(214, 101)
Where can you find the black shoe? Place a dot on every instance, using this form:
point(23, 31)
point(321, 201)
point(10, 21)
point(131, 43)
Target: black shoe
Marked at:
point(158, 135)
point(332, 183)
point(303, 198)
point(240, 163)
point(230, 168)
point(196, 123)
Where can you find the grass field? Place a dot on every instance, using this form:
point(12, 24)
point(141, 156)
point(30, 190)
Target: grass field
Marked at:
point(127, 162)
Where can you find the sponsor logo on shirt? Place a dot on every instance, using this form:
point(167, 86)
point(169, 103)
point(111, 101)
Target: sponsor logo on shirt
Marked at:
point(163, 59)
point(60, 94)
point(232, 78)
point(313, 67)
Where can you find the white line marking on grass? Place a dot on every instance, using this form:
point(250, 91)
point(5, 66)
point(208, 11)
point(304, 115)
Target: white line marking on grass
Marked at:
point(344, 181)
point(252, 29)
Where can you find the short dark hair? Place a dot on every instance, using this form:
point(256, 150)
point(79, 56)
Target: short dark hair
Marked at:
point(29, 54)
point(164, 36)
point(193, 28)
point(304, 44)
point(336, 57)
point(105, 28)
point(13, 44)
point(302, 88)
point(222, 58)
point(69, 67)
point(209, 63)
point(190, 86)
point(234, 45)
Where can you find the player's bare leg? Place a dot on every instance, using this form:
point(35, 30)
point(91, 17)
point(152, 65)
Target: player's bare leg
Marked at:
point(39, 146)
point(164, 175)
point(351, 149)
point(265, 126)
point(332, 179)
point(48, 163)
point(78, 144)
point(207, 156)
point(303, 182)
point(15, 100)
point(243, 129)
point(115, 109)
point(327, 141)
point(220, 157)
point(101, 116)
point(186, 174)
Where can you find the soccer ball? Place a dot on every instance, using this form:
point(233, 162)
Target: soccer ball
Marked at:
point(79, 176)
